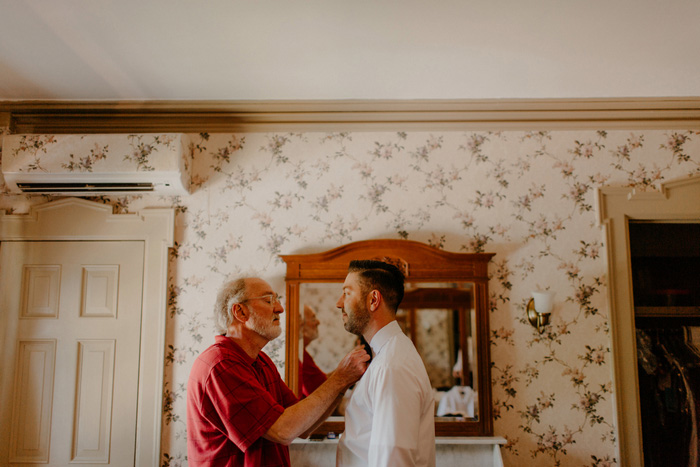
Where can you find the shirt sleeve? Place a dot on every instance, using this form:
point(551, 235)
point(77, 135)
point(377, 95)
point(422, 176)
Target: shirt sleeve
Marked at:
point(244, 409)
point(396, 402)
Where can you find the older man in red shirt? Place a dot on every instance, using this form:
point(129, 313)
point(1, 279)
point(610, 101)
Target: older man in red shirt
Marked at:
point(239, 411)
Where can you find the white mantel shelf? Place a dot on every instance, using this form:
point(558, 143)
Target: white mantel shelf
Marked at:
point(438, 440)
point(470, 440)
point(449, 451)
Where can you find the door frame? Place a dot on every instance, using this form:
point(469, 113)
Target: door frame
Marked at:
point(677, 200)
point(56, 221)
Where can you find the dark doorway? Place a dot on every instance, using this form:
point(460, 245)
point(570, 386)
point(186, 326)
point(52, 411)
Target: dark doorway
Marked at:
point(666, 288)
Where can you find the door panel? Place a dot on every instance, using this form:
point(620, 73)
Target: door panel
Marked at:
point(32, 401)
point(70, 351)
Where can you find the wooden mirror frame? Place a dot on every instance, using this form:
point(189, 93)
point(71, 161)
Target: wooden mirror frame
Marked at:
point(421, 263)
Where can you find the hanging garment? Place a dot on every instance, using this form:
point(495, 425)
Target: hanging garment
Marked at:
point(669, 397)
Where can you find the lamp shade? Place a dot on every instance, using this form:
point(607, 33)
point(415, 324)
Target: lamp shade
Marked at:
point(544, 301)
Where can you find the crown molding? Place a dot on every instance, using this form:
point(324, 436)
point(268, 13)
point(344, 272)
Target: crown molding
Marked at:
point(351, 115)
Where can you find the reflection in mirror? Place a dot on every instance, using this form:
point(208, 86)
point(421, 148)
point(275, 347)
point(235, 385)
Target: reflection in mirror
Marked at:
point(438, 317)
point(333, 340)
point(330, 343)
point(311, 376)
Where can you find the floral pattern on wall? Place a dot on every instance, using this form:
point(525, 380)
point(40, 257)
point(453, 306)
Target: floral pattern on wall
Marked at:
point(529, 197)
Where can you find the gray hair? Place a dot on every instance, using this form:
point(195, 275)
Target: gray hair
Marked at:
point(230, 293)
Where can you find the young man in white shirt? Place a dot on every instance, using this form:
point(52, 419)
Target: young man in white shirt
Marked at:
point(389, 420)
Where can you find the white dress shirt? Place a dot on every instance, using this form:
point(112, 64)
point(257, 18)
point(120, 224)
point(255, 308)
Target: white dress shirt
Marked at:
point(390, 419)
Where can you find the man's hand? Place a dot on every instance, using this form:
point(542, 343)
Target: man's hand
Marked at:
point(352, 366)
point(303, 417)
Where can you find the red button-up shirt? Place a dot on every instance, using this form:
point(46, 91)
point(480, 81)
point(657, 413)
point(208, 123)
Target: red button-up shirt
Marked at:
point(232, 400)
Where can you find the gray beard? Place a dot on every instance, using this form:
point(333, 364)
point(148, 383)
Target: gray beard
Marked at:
point(269, 331)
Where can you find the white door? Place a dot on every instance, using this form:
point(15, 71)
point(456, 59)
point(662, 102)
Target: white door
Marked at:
point(71, 314)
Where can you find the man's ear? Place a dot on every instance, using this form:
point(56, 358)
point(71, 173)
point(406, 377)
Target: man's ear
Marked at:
point(239, 312)
point(374, 298)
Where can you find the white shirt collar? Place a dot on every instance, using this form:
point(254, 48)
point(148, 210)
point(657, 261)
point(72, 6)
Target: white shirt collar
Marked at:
point(384, 335)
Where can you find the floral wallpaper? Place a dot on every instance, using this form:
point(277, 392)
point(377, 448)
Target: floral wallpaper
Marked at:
point(529, 197)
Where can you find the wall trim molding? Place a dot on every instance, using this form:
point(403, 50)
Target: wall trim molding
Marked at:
point(352, 115)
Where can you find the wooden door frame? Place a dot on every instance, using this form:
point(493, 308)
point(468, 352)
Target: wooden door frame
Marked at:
point(155, 227)
point(677, 200)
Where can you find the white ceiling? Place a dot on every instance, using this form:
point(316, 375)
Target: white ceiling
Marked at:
point(347, 49)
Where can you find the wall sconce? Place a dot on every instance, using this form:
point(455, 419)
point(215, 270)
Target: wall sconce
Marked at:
point(539, 309)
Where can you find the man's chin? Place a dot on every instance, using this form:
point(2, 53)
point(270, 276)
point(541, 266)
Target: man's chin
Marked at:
point(270, 333)
point(277, 330)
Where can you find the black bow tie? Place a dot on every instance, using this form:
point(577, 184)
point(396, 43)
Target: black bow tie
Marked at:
point(367, 347)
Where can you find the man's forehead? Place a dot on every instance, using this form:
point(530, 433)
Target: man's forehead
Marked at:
point(351, 279)
point(258, 286)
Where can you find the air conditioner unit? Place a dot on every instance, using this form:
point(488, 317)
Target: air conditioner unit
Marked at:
point(90, 165)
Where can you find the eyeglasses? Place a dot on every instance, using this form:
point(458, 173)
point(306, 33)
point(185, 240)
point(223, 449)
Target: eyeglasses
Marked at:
point(270, 298)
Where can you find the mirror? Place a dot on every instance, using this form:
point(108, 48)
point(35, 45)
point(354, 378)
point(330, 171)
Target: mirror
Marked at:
point(444, 311)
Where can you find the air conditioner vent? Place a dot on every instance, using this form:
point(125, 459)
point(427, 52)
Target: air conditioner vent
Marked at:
point(92, 164)
point(83, 187)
